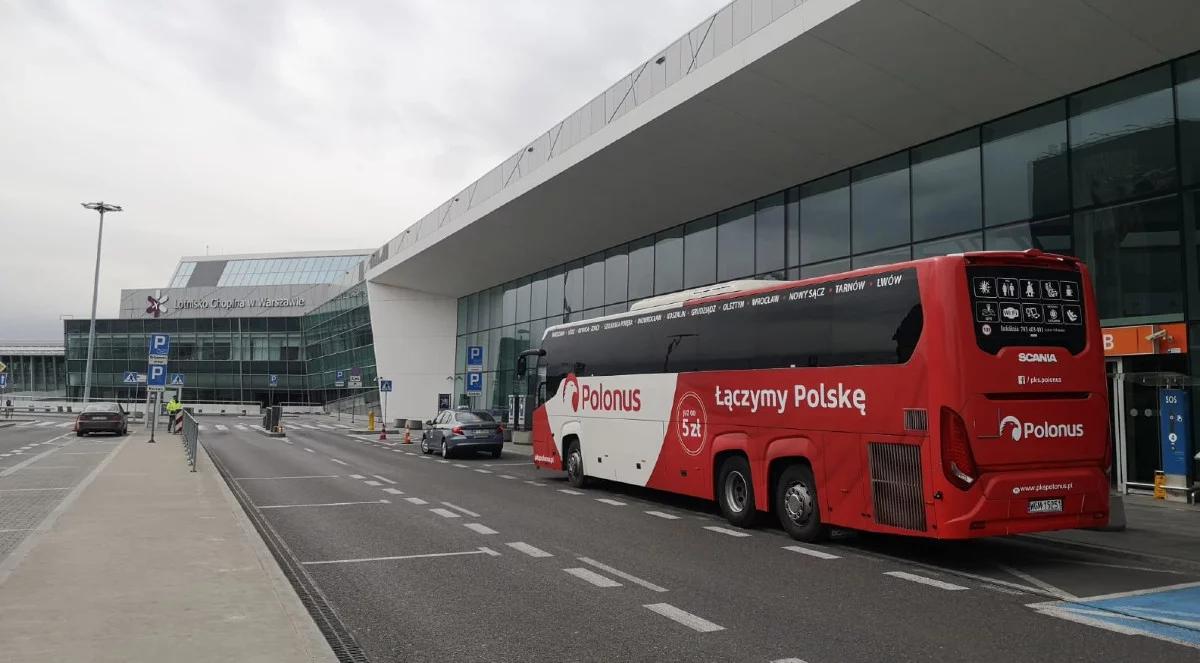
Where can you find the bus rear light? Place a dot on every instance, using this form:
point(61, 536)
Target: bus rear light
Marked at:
point(958, 462)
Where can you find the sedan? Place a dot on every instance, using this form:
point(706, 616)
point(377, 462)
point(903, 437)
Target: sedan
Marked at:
point(102, 418)
point(462, 430)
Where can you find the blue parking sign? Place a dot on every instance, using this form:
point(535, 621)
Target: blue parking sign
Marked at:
point(475, 358)
point(156, 376)
point(160, 345)
point(474, 383)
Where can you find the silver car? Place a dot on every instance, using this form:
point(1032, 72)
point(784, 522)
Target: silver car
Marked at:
point(462, 430)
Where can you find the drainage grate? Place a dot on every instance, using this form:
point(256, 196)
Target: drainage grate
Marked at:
point(896, 485)
point(344, 647)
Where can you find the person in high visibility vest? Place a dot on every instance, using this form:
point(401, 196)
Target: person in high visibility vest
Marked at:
point(173, 408)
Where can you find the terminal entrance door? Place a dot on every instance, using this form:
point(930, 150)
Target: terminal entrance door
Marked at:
point(1134, 385)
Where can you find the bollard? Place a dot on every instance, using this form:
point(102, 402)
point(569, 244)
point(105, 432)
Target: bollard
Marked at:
point(1160, 485)
point(383, 432)
point(407, 436)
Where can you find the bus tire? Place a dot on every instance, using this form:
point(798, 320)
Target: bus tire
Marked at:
point(575, 471)
point(796, 504)
point(735, 492)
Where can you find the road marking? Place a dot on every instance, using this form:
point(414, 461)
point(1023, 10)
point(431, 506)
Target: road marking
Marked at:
point(340, 462)
point(477, 551)
point(66, 424)
point(356, 476)
point(21, 490)
point(222, 427)
point(326, 426)
point(596, 579)
point(44, 423)
point(789, 660)
point(341, 425)
point(525, 463)
point(521, 546)
point(415, 500)
point(904, 575)
point(479, 528)
point(441, 460)
point(506, 476)
point(462, 510)
point(293, 506)
point(460, 465)
point(29, 461)
point(725, 530)
point(819, 554)
point(384, 479)
point(445, 513)
point(21, 529)
point(683, 617)
point(372, 483)
point(610, 501)
point(621, 574)
point(285, 440)
point(482, 471)
point(393, 491)
point(1040, 584)
point(79, 453)
point(310, 476)
point(309, 450)
point(489, 551)
point(240, 427)
point(664, 515)
point(569, 491)
point(310, 427)
point(534, 483)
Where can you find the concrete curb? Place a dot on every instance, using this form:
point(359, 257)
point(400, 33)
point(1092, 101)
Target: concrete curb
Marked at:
point(306, 629)
point(263, 431)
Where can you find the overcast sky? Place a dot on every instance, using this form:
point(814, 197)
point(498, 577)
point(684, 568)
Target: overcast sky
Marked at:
point(238, 127)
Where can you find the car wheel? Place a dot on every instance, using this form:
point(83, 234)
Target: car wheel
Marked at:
point(445, 449)
point(575, 472)
point(496, 453)
point(735, 492)
point(424, 445)
point(796, 505)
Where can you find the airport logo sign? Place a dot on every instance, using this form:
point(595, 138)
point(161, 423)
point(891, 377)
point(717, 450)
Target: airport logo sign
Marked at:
point(158, 304)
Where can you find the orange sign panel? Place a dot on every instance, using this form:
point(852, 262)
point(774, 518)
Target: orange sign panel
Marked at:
point(1145, 340)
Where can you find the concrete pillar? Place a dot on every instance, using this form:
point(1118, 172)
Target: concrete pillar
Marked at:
point(414, 335)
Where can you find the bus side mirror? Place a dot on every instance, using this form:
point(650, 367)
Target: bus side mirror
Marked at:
point(523, 361)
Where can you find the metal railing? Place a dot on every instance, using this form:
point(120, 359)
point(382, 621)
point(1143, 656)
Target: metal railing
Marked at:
point(191, 439)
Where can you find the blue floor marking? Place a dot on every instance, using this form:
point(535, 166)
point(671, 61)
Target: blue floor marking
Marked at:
point(1167, 613)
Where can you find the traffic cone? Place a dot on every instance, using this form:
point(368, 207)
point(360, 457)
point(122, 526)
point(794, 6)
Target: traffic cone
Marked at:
point(407, 436)
point(383, 432)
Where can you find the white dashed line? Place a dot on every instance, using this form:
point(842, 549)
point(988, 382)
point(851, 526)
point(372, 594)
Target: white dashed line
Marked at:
point(534, 483)
point(309, 450)
point(819, 554)
point(506, 476)
point(326, 426)
point(240, 427)
point(477, 551)
point(306, 476)
point(624, 576)
point(662, 514)
point(356, 476)
point(569, 491)
point(393, 491)
point(222, 427)
point(789, 660)
point(293, 506)
point(610, 501)
point(683, 617)
point(307, 426)
point(904, 575)
point(462, 510)
point(479, 528)
point(460, 465)
point(45, 423)
point(441, 460)
point(339, 462)
point(725, 530)
point(415, 500)
point(445, 513)
point(372, 483)
point(483, 471)
point(596, 579)
point(68, 424)
point(521, 546)
point(285, 440)
point(384, 479)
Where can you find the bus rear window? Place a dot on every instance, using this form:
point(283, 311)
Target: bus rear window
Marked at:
point(1026, 306)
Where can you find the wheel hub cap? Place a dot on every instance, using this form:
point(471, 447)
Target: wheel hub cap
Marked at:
point(736, 491)
point(798, 503)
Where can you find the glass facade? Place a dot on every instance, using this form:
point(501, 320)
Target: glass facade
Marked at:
point(1110, 174)
point(232, 360)
point(287, 271)
point(36, 374)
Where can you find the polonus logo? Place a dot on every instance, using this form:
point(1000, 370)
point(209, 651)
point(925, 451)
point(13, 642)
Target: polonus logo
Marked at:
point(1017, 430)
point(598, 399)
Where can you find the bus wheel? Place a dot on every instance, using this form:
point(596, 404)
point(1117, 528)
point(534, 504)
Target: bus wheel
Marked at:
point(575, 475)
point(796, 504)
point(735, 492)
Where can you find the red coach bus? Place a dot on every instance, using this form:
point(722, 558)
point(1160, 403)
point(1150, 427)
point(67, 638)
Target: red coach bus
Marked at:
point(952, 397)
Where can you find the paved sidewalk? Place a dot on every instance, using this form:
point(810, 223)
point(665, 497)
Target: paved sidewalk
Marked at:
point(151, 563)
point(1153, 529)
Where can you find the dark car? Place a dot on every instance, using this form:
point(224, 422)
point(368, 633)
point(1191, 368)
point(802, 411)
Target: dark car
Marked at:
point(462, 430)
point(102, 418)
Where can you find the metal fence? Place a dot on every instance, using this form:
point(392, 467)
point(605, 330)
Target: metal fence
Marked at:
point(191, 439)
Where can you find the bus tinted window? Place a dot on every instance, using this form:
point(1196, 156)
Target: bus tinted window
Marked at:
point(872, 319)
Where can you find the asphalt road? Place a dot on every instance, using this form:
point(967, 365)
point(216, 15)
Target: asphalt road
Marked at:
point(478, 559)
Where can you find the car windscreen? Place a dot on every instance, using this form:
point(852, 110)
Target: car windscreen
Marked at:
point(473, 417)
point(102, 407)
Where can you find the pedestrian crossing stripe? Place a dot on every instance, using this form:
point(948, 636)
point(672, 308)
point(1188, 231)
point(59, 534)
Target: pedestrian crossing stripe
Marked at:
point(222, 427)
point(241, 427)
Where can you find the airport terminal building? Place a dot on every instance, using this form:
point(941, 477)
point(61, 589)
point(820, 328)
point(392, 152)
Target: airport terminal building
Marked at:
point(778, 139)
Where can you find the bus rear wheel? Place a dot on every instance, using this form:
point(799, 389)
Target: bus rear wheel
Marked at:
point(735, 492)
point(796, 504)
point(575, 475)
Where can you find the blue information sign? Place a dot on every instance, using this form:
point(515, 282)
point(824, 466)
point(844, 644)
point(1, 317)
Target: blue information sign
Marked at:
point(156, 376)
point(474, 383)
point(177, 379)
point(340, 379)
point(160, 345)
point(130, 377)
point(475, 358)
point(385, 385)
point(3, 380)
point(1174, 423)
point(273, 380)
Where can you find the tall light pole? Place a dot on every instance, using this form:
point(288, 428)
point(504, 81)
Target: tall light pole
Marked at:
point(101, 207)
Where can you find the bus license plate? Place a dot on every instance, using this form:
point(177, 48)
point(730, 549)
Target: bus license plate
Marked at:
point(1046, 506)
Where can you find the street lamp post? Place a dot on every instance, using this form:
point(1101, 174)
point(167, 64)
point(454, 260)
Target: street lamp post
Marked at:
point(100, 207)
